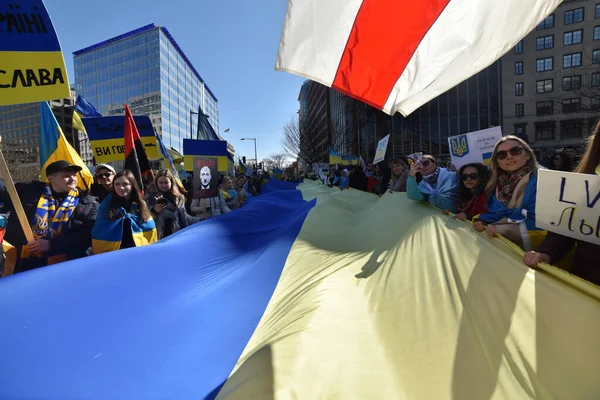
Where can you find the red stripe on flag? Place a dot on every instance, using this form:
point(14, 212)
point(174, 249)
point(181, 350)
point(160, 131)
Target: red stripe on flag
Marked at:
point(385, 35)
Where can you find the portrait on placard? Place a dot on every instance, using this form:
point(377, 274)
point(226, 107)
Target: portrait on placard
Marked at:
point(206, 177)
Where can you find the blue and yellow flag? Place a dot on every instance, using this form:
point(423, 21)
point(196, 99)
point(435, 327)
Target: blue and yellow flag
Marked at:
point(306, 292)
point(334, 157)
point(244, 169)
point(107, 233)
point(32, 67)
point(83, 109)
point(54, 147)
point(278, 172)
point(170, 165)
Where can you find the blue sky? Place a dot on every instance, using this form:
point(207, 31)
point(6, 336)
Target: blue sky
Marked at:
point(232, 43)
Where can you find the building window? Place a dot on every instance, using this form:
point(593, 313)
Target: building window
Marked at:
point(572, 37)
point(572, 60)
point(573, 16)
point(545, 131)
point(544, 64)
point(595, 103)
point(519, 129)
point(519, 68)
point(597, 33)
point(519, 47)
point(571, 82)
point(519, 89)
point(544, 108)
point(519, 109)
point(596, 79)
point(571, 105)
point(598, 10)
point(544, 42)
point(544, 86)
point(571, 129)
point(547, 23)
point(596, 57)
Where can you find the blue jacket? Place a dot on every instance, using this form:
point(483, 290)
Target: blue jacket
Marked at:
point(498, 211)
point(444, 196)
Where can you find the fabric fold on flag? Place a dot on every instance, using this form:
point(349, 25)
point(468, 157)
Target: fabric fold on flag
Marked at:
point(55, 147)
point(396, 55)
point(136, 159)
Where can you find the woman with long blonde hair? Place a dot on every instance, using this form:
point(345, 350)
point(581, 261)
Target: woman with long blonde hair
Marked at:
point(167, 205)
point(586, 261)
point(511, 192)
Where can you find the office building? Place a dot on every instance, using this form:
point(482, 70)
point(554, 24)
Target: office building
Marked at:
point(146, 69)
point(551, 79)
point(314, 122)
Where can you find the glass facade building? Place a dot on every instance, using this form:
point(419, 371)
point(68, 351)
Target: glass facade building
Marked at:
point(147, 70)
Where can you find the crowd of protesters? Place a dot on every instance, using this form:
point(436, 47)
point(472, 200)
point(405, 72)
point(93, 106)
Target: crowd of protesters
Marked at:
point(499, 199)
point(115, 213)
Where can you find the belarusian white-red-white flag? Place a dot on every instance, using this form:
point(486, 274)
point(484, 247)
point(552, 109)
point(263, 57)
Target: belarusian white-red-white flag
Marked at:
point(397, 55)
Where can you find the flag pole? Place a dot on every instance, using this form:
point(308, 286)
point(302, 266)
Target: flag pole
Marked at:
point(14, 197)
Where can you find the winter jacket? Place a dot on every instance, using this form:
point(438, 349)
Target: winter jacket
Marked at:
point(75, 238)
point(209, 207)
point(171, 219)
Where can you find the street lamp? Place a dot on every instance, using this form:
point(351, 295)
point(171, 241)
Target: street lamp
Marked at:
point(255, 156)
point(192, 124)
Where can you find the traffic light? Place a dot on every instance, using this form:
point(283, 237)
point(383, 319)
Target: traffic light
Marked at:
point(244, 159)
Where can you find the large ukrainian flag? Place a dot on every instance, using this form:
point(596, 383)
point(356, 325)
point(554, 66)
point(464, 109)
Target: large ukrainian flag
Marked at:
point(304, 293)
point(54, 147)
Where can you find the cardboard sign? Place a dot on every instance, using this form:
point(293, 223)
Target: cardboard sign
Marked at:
point(206, 177)
point(107, 134)
point(569, 204)
point(205, 148)
point(381, 149)
point(32, 67)
point(474, 147)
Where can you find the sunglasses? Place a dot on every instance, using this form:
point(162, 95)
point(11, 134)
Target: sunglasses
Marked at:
point(515, 151)
point(426, 163)
point(473, 176)
point(103, 176)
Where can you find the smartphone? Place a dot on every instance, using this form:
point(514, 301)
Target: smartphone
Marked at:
point(419, 157)
point(162, 200)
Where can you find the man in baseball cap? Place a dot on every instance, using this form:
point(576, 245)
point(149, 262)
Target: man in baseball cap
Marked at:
point(62, 217)
point(105, 174)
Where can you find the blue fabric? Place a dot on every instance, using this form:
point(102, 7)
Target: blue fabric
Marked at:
point(85, 108)
point(497, 211)
point(164, 321)
point(445, 194)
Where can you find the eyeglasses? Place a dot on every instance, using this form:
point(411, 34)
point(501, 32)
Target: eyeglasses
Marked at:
point(473, 176)
point(426, 163)
point(515, 151)
point(104, 176)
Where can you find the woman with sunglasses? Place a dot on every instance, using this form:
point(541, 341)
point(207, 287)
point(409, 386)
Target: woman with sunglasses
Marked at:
point(561, 162)
point(123, 219)
point(586, 260)
point(428, 182)
point(512, 193)
point(472, 199)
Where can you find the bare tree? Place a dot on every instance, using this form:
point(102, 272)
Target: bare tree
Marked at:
point(297, 143)
point(276, 160)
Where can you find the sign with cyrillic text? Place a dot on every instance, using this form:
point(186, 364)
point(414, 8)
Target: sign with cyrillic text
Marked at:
point(569, 204)
point(32, 67)
point(107, 134)
point(474, 147)
point(381, 149)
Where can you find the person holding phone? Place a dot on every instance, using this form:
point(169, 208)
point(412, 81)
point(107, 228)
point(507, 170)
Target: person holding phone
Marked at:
point(431, 183)
point(167, 205)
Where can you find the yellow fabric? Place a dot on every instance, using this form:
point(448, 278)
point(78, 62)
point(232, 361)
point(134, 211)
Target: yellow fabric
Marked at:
point(64, 151)
point(387, 298)
point(77, 123)
point(11, 258)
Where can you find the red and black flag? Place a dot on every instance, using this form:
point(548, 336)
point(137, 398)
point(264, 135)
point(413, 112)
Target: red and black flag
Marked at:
point(136, 159)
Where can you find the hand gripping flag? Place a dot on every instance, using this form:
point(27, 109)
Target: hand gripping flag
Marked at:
point(396, 55)
point(136, 159)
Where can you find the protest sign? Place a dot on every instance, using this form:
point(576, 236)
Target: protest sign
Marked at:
point(569, 204)
point(107, 134)
point(217, 149)
point(381, 149)
point(32, 67)
point(206, 177)
point(474, 147)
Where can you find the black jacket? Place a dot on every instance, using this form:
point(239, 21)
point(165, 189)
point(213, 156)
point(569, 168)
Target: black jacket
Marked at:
point(75, 238)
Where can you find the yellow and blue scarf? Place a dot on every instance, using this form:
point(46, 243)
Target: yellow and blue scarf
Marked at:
point(49, 220)
point(107, 233)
